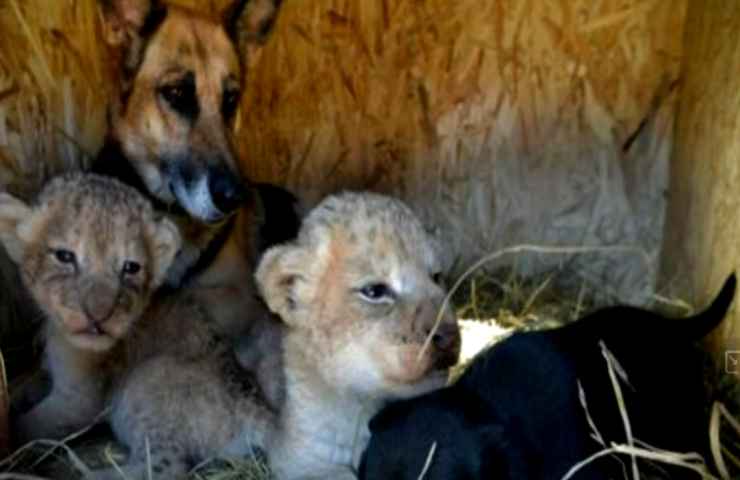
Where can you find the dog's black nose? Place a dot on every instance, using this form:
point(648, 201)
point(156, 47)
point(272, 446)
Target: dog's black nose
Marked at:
point(226, 190)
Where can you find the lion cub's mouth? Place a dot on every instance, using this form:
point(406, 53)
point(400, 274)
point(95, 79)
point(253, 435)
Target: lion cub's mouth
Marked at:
point(93, 339)
point(92, 331)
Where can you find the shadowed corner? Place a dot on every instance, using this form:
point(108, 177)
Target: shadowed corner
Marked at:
point(19, 319)
point(4, 410)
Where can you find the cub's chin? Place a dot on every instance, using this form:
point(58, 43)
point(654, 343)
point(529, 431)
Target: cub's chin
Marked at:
point(98, 342)
point(431, 381)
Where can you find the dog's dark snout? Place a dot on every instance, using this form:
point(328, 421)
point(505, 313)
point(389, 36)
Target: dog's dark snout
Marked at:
point(226, 190)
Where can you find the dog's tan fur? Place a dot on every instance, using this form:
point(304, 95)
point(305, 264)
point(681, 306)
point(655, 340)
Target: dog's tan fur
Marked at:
point(89, 299)
point(160, 49)
point(336, 359)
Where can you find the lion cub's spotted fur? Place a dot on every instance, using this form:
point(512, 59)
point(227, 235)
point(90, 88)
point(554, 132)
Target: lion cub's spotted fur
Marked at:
point(90, 251)
point(358, 299)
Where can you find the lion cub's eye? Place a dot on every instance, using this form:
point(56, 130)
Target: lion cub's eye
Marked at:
point(376, 292)
point(131, 268)
point(64, 256)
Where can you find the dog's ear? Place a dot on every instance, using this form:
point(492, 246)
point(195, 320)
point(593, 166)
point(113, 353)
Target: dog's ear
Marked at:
point(165, 243)
point(13, 214)
point(279, 275)
point(249, 22)
point(126, 23)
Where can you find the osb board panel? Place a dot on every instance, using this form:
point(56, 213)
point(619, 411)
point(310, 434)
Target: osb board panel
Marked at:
point(359, 80)
point(502, 121)
point(703, 222)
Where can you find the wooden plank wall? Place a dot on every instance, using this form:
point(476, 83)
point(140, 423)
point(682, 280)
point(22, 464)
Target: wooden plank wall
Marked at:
point(702, 240)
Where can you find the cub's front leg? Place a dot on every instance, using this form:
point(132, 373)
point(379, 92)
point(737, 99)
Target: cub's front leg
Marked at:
point(61, 413)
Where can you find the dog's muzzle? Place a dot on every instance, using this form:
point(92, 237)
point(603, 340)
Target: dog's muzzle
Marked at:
point(207, 194)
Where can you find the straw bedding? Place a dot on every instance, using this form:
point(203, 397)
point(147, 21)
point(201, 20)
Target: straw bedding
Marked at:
point(490, 306)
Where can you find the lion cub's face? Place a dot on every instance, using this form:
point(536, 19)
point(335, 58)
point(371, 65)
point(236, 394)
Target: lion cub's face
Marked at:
point(91, 252)
point(360, 289)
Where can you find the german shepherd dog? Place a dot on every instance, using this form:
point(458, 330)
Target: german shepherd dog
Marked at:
point(180, 79)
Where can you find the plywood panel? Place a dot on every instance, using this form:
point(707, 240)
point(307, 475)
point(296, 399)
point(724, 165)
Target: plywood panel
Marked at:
point(703, 225)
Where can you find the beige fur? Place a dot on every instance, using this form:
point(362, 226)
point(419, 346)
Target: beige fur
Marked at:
point(195, 402)
point(91, 251)
point(336, 359)
point(345, 354)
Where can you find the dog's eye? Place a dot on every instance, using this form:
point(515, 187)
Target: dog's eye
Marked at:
point(180, 96)
point(173, 93)
point(376, 292)
point(437, 278)
point(130, 268)
point(230, 102)
point(64, 256)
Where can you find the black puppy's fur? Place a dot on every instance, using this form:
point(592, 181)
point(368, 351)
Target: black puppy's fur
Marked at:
point(516, 412)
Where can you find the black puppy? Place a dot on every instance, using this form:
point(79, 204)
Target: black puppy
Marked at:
point(516, 413)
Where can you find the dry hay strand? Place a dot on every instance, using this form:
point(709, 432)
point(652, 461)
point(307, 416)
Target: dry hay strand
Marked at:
point(721, 450)
point(538, 249)
point(89, 449)
point(251, 469)
point(71, 458)
point(514, 301)
point(692, 461)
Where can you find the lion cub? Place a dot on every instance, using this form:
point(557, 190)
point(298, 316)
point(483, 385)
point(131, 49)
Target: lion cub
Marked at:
point(366, 324)
point(91, 251)
point(358, 299)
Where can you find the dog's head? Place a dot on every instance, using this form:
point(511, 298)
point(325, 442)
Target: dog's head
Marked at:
point(180, 86)
point(358, 290)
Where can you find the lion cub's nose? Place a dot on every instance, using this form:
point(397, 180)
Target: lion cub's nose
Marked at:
point(226, 190)
point(99, 303)
point(447, 338)
point(446, 341)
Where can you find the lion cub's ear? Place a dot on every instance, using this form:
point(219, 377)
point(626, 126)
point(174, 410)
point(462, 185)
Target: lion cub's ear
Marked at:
point(279, 275)
point(165, 243)
point(13, 213)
